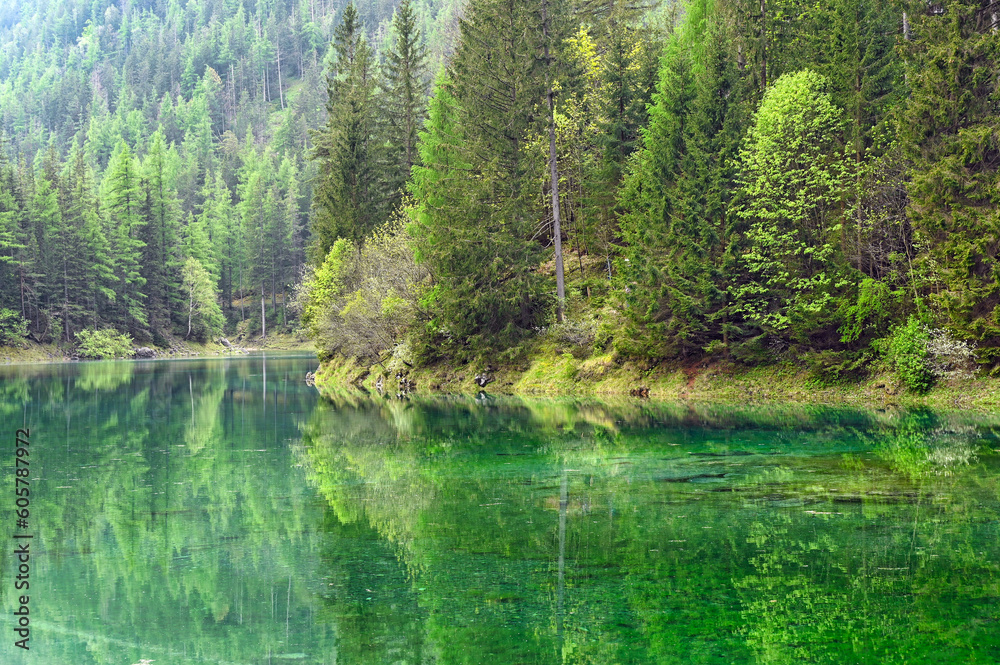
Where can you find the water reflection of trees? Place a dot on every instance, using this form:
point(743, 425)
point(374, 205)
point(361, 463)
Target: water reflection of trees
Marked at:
point(695, 533)
point(173, 522)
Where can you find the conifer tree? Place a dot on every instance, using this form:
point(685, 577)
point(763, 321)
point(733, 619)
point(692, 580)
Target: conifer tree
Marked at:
point(123, 201)
point(346, 200)
point(161, 264)
point(480, 248)
point(951, 132)
point(696, 251)
point(405, 99)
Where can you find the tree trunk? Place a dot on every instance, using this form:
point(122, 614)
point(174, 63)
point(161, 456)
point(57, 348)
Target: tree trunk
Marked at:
point(763, 46)
point(281, 94)
point(190, 310)
point(263, 319)
point(554, 173)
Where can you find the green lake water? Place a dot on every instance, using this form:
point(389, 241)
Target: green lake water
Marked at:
point(220, 511)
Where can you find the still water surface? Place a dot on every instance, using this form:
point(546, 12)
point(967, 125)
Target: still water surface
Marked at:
point(220, 511)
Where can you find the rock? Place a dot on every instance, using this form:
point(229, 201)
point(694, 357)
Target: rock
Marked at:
point(641, 391)
point(225, 342)
point(483, 379)
point(145, 352)
point(310, 378)
point(380, 384)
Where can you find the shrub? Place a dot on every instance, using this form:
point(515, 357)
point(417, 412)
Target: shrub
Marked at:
point(920, 355)
point(13, 328)
point(104, 344)
point(362, 300)
point(950, 358)
point(905, 352)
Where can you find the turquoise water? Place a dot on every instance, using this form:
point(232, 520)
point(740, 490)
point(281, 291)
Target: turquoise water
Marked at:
point(220, 511)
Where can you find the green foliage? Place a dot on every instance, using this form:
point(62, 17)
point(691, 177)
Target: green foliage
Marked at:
point(105, 344)
point(475, 215)
point(347, 201)
point(871, 312)
point(792, 183)
point(204, 314)
point(13, 328)
point(950, 131)
point(905, 352)
point(677, 198)
point(361, 301)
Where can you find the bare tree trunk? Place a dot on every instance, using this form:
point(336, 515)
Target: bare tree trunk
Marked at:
point(763, 45)
point(281, 94)
point(263, 319)
point(554, 173)
point(190, 310)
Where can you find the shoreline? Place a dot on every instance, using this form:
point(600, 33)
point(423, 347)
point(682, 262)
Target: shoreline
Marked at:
point(603, 376)
point(36, 353)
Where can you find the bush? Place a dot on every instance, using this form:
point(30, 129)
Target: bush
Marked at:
point(905, 352)
point(104, 344)
point(920, 355)
point(950, 358)
point(13, 328)
point(363, 300)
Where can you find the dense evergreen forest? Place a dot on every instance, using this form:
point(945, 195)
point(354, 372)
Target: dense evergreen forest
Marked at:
point(756, 180)
point(156, 171)
point(760, 181)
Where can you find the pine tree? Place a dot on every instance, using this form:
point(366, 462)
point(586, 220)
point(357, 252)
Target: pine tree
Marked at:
point(218, 220)
point(345, 200)
point(479, 245)
point(696, 253)
point(951, 132)
point(10, 212)
point(405, 100)
point(123, 201)
point(160, 264)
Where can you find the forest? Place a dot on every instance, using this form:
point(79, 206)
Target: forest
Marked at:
point(751, 180)
point(156, 172)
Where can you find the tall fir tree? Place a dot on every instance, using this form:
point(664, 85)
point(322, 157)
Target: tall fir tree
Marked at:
point(123, 197)
point(404, 100)
point(161, 263)
point(346, 199)
point(950, 128)
point(481, 248)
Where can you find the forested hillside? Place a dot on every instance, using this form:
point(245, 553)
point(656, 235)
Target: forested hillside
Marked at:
point(759, 181)
point(155, 174)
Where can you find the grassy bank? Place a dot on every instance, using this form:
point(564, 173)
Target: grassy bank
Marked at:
point(548, 372)
point(32, 352)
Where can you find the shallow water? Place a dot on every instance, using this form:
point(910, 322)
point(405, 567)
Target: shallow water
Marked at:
point(219, 511)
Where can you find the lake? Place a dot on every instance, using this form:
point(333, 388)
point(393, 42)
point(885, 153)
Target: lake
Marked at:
point(221, 511)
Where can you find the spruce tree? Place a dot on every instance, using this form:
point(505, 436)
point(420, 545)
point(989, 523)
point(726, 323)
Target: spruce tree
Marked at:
point(480, 247)
point(345, 201)
point(404, 100)
point(161, 263)
point(123, 202)
point(950, 129)
point(700, 244)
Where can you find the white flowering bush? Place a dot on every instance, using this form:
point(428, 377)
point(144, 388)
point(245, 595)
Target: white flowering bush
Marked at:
point(948, 357)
